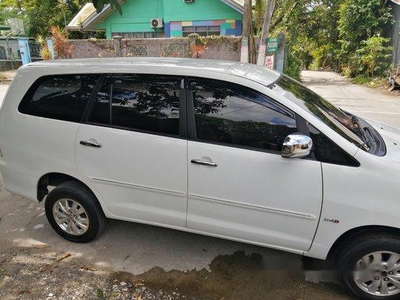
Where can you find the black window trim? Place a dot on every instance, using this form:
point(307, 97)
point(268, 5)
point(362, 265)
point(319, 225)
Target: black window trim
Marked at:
point(306, 130)
point(92, 98)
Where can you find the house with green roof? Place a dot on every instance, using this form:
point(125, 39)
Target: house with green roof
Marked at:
point(162, 18)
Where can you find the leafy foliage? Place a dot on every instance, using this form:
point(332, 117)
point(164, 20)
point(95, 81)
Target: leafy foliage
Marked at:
point(310, 28)
point(40, 15)
point(374, 55)
point(292, 66)
point(198, 50)
point(259, 7)
point(328, 34)
point(44, 48)
point(61, 45)
point(361, 24)
point(361, 20)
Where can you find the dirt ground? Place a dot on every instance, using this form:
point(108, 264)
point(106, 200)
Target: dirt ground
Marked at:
point(39, 273)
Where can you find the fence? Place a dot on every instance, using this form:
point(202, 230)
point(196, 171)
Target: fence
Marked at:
point(10, 56)
point(218, 47)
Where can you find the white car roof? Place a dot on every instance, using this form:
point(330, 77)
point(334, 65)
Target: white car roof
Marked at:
point(160, 65)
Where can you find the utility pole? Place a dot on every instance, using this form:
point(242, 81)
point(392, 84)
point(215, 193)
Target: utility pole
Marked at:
point(247, 18)
point(263, 42)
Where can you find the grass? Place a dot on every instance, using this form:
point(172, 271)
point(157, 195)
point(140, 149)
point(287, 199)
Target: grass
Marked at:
point(371, 82)
point(361, 79)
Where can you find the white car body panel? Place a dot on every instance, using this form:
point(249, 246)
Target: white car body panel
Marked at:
point(144, 176)
point(254, 195)
point(357, 197)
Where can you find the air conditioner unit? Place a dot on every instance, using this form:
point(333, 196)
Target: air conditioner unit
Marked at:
point(188, 1)
point(156, 23)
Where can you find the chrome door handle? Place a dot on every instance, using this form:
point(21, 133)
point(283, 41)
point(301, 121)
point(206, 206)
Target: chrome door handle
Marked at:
point(90, 143)
point(204, 162)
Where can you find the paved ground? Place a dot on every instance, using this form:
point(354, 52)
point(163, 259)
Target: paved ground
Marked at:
point(3, 90)
point(372, 103)
point(137, 248)
point(124, 246)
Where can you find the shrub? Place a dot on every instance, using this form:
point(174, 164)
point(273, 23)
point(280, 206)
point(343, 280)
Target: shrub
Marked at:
point(374, 55)
point(61, 44)
point(292, 66)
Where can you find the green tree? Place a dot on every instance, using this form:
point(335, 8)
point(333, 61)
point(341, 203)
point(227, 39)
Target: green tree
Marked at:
point(13, 9)
point(310, 28)
point(374, 55)
point(328, 33)
point(258, 15)
point(40, 15)
point(361, 20)
point(43, 14)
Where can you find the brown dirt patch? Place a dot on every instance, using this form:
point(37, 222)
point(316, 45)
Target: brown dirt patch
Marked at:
point(40, 273)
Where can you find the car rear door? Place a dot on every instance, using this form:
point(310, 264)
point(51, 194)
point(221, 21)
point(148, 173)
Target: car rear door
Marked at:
point(131, 150)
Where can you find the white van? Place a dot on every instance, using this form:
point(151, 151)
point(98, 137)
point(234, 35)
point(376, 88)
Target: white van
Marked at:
point(220, 148)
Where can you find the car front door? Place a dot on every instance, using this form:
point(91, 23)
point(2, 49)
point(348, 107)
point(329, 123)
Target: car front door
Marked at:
point(131, 150)
point(239, 185)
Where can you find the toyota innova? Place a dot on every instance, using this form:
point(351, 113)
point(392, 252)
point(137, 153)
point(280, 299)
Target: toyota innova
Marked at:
point(226, 149)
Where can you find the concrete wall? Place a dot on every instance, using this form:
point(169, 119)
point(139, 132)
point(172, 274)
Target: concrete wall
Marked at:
point(225, 48)
point(92, 48)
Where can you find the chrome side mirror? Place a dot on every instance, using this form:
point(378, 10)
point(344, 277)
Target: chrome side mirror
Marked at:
point(296, 145)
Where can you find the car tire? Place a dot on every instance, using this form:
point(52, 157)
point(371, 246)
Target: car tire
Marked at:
point(369, 267)
point(74, 212)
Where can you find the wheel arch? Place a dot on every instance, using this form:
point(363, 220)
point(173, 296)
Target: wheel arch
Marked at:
point(55, 179)
point(358, 232)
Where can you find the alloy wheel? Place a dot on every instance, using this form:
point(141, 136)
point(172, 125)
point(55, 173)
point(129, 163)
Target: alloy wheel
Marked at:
point(71, 216)
point(378, 273)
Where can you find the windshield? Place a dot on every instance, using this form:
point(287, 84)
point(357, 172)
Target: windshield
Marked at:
point(352, 128)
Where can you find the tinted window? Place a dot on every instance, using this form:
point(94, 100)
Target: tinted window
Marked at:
point(351, 127)
point(327, 151)
point(62, 97)
point(231, 114)
point(140, 102)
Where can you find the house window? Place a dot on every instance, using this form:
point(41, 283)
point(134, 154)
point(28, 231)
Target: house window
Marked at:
point(201, 30)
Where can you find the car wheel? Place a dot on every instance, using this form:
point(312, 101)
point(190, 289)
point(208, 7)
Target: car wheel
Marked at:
point(74, 212)
point(369, 267)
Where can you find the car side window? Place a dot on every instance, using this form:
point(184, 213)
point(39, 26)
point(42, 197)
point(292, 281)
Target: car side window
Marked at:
point(231, 114)
point(62, 97)
point(147, 103)
point(328, 152)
